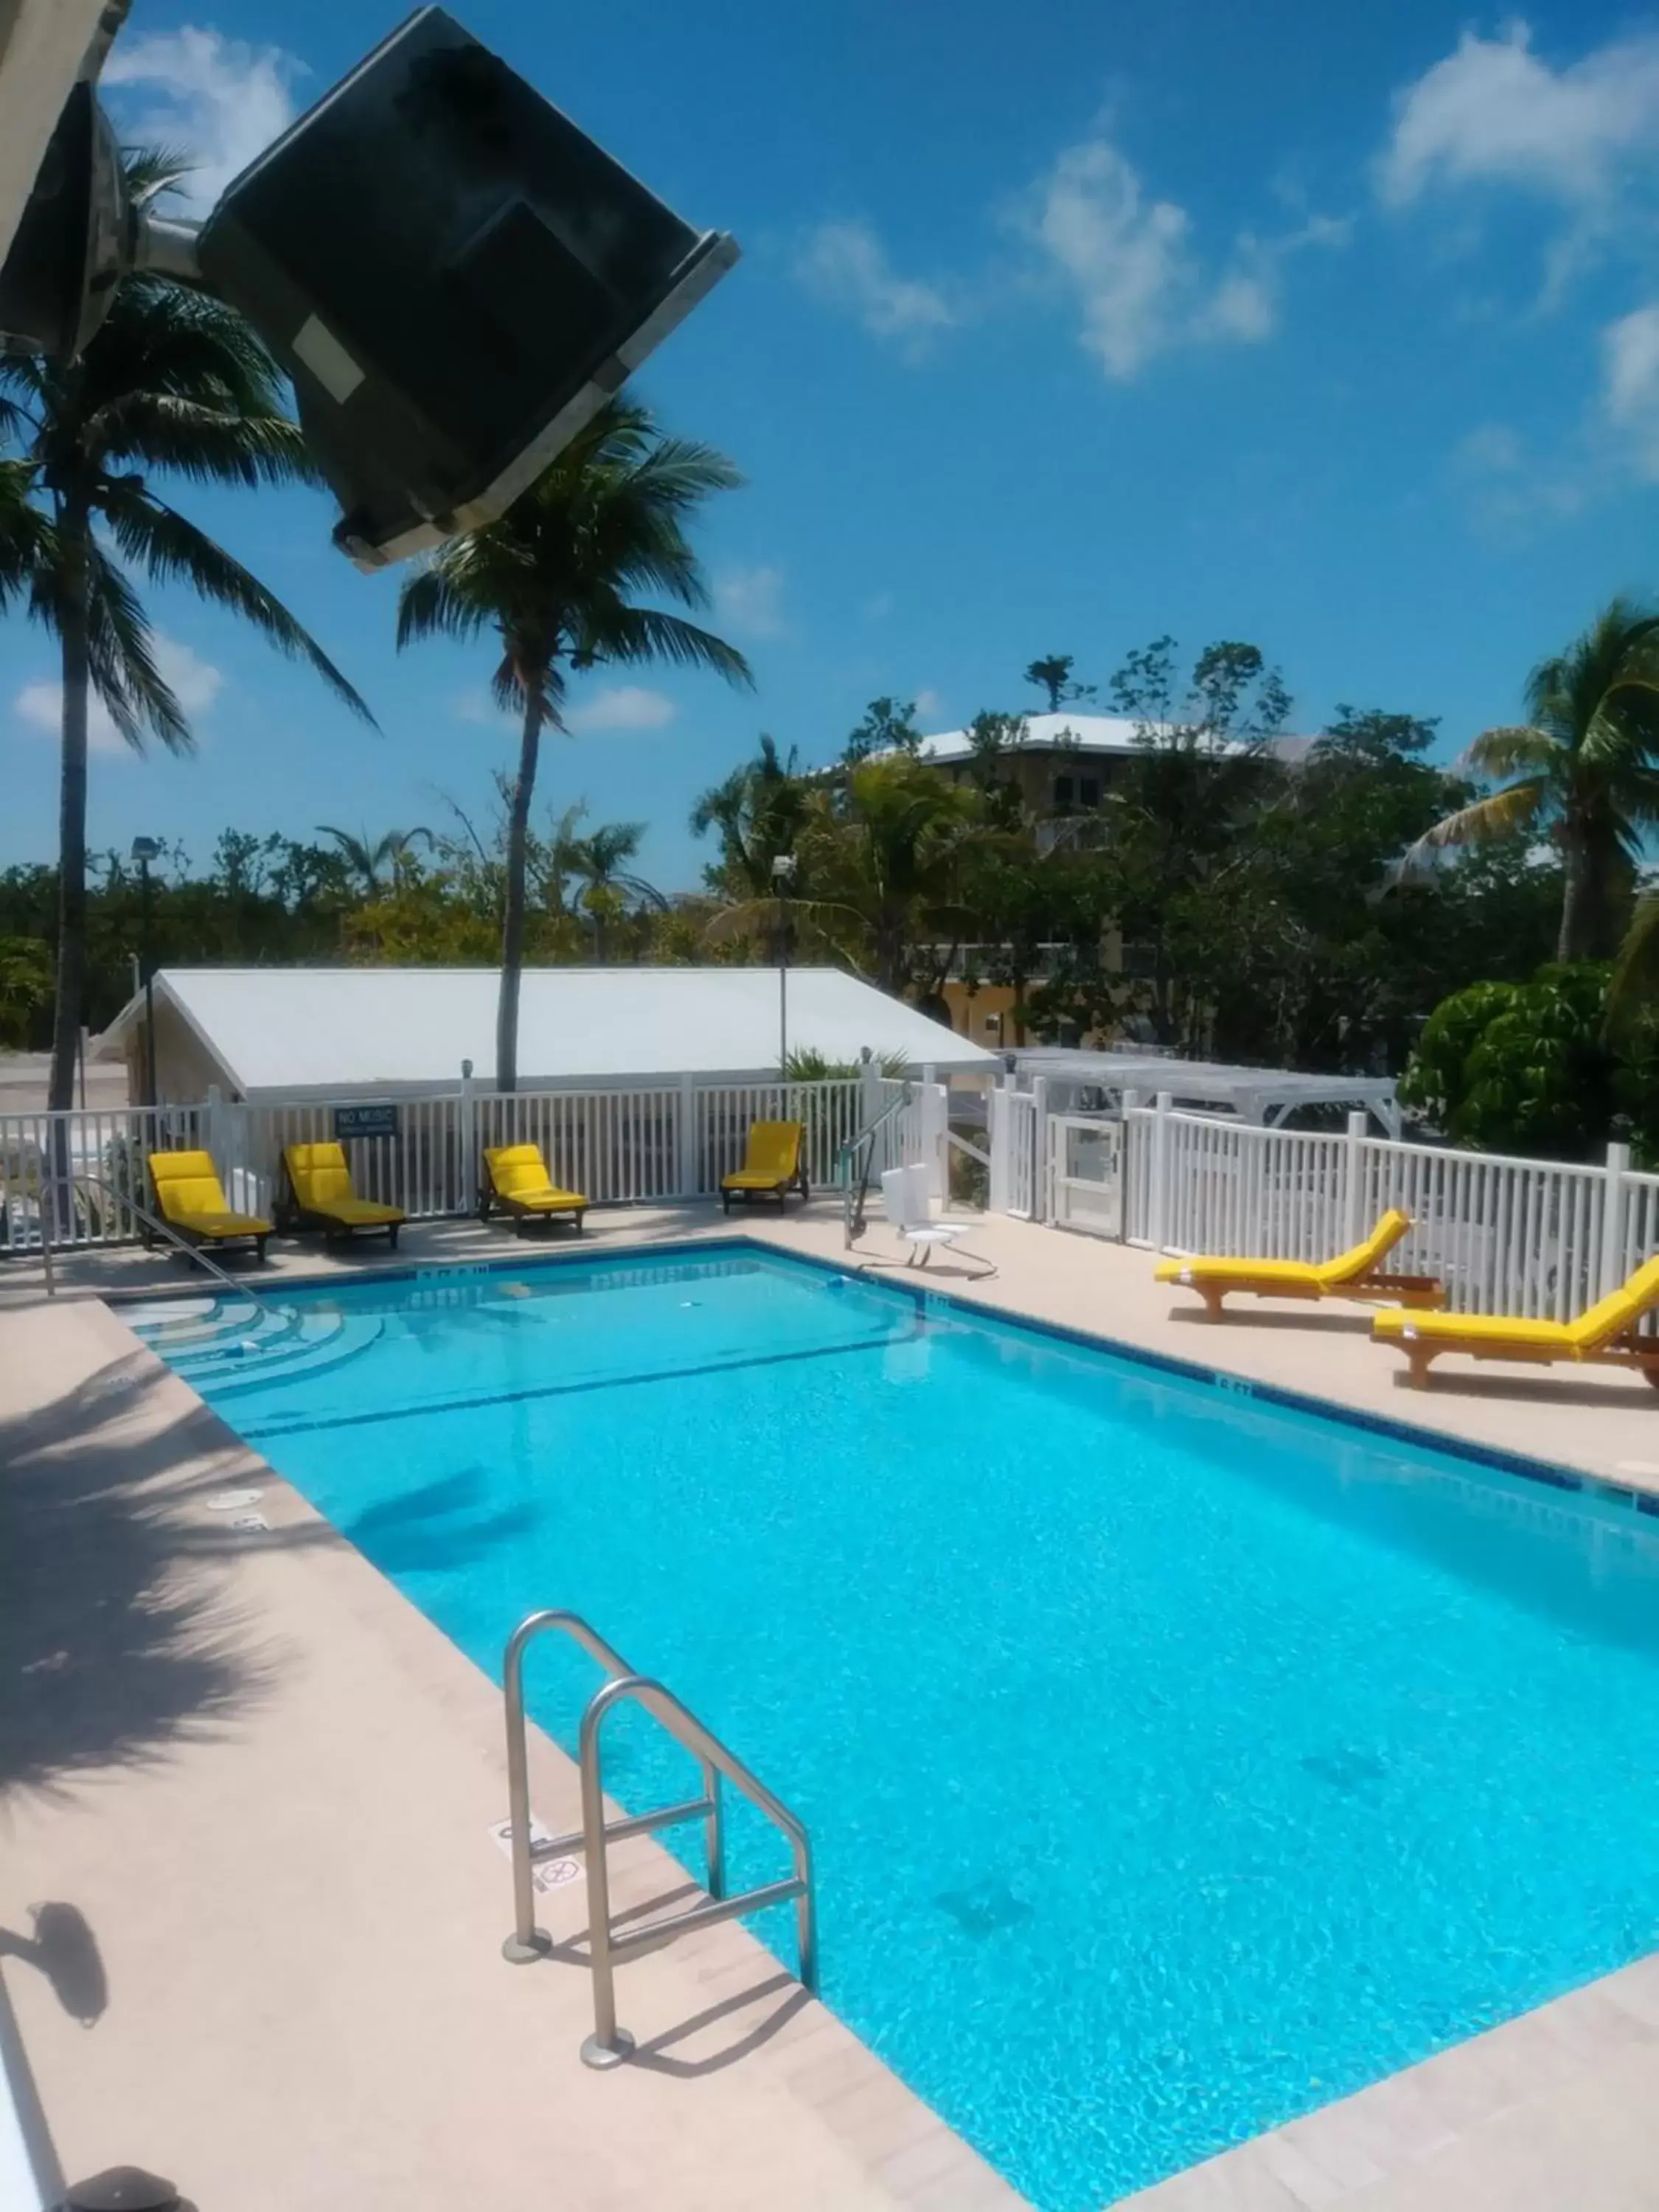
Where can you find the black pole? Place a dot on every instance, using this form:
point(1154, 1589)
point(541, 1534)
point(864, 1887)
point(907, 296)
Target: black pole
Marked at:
point(149, 983)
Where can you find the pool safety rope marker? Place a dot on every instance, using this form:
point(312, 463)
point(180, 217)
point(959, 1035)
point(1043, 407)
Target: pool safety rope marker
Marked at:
point(609, 2044)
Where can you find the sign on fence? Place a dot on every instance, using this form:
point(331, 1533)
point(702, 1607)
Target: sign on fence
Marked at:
point(364, 1122)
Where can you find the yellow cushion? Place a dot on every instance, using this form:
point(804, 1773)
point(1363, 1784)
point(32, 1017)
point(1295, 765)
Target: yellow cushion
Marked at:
point(322, 1184)
point(186, 1183)
point(771, 1156)
point(1348, 1266)
point(356, 1212)
point(220, 1223)
point(1237, 1270)
point(521, 1177)
point(1611, 1316)
point(1492, 1329)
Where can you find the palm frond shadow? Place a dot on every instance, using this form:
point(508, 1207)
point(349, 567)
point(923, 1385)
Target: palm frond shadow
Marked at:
point(119, 1642)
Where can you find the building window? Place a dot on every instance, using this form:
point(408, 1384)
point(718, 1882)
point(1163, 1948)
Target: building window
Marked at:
point(1063, 795)
point(1088, 792)
point(994, 1025)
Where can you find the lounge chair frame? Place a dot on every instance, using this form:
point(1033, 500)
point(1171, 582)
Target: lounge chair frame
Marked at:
point(292, 1212)
point(781, 1188)
point(494, 1200)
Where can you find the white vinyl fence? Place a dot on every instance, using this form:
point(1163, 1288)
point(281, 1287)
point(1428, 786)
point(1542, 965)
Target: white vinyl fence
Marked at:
point(78, 1171)
point(1542, 1238)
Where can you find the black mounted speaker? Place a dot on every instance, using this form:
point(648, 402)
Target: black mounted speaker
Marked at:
point(455, 277)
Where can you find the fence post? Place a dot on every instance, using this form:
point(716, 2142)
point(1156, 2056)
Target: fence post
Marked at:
point(1159, 1210)
point(469, 1178)
point(934, 1117)
point(1130, 1159)
point(1041, 1196)
point(996, 1127)
point(1613, 1271)
point(689, 1180)
point(1353, 1179)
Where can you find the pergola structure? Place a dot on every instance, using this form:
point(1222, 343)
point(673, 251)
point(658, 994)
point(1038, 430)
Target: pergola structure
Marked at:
point(1098, 1082)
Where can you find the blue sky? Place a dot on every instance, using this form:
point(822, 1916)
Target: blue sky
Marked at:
point(1057, 327)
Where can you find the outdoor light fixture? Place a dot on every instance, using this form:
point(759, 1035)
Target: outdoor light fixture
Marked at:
point(783, 875)
point(454, 276)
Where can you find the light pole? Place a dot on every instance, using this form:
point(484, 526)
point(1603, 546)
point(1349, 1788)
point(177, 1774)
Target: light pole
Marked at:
point(144, 850)
point(783, 874)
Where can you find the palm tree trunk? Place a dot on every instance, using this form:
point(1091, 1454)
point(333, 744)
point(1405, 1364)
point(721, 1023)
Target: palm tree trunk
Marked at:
point(71, 1003)
point(1578, 907)
point(518, 839)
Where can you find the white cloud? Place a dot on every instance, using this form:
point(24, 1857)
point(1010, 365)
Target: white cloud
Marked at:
point(1630, 385)
point(1130, 260)
point(476, 706)
point(846, 265)
point(196, 683)
point(1491, 449)
point(927, 702)
point(221, 101)
point(751, 600)
point(1493, 113)
point(621, 706)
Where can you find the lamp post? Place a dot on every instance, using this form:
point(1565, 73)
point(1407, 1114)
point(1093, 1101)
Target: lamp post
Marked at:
point(144, 850)
point(783, 874)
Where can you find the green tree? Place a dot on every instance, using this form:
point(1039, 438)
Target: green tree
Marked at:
point(175, 385)
point(1054, 676)
point(889, 725)
point(1529, 1068)
point(608, 885)
point(373, 864)
point(756, 812)
point(555, 580)
point(1583, 768)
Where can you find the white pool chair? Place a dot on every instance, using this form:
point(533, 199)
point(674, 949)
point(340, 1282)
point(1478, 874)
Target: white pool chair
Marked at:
point(905, 1201)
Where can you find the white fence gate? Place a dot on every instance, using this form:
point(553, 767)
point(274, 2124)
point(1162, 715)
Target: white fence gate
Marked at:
point(1086, 1174)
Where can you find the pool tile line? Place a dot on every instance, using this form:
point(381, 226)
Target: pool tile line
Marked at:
point(926, 1295)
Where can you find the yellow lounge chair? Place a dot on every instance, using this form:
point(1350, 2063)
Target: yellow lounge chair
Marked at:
point(516, 1181)
point(323, 1197)
point(1351, 1275)
point(1605, 1333)
point(192, 1200)
point(771, 1163)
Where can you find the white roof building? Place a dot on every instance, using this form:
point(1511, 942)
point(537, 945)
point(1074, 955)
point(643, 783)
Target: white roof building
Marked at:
point(1112, 735)
point(340, 1032)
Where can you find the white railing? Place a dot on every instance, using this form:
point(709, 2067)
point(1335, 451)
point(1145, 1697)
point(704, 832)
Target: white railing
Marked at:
point(1541, 1238)
point(75, 1168)
point(424, 1165)
point(662, 1141)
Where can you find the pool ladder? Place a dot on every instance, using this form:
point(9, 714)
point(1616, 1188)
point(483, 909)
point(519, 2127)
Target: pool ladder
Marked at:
point(609, 2044)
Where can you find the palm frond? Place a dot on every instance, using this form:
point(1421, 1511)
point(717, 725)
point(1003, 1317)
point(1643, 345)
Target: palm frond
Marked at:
point(173, 551)
point(626, 634)
point(1501, 815)
point(1512, 749)
point(121, 657)
point(1635, 980)
point(208, 444)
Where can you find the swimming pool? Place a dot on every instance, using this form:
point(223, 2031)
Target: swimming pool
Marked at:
point(1175, 1762)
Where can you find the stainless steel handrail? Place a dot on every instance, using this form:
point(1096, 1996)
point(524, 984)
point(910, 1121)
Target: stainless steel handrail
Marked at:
point(852, 1205)
point(608, 2044)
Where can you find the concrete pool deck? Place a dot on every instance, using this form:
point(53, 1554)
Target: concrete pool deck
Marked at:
point(251, 1907)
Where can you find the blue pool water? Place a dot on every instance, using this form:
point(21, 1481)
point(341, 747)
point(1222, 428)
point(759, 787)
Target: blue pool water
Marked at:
point(1175, 1762)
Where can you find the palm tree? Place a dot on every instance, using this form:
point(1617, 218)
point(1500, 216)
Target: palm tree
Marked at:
point(1583, 768)
point(173, 383)
point(365, 862)
point(555, 580)
point(607, 885)
point(758, 811)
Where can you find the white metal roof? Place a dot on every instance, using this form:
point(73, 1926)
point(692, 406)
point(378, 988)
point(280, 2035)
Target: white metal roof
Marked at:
point(1081, 733)
point(337, 1029)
